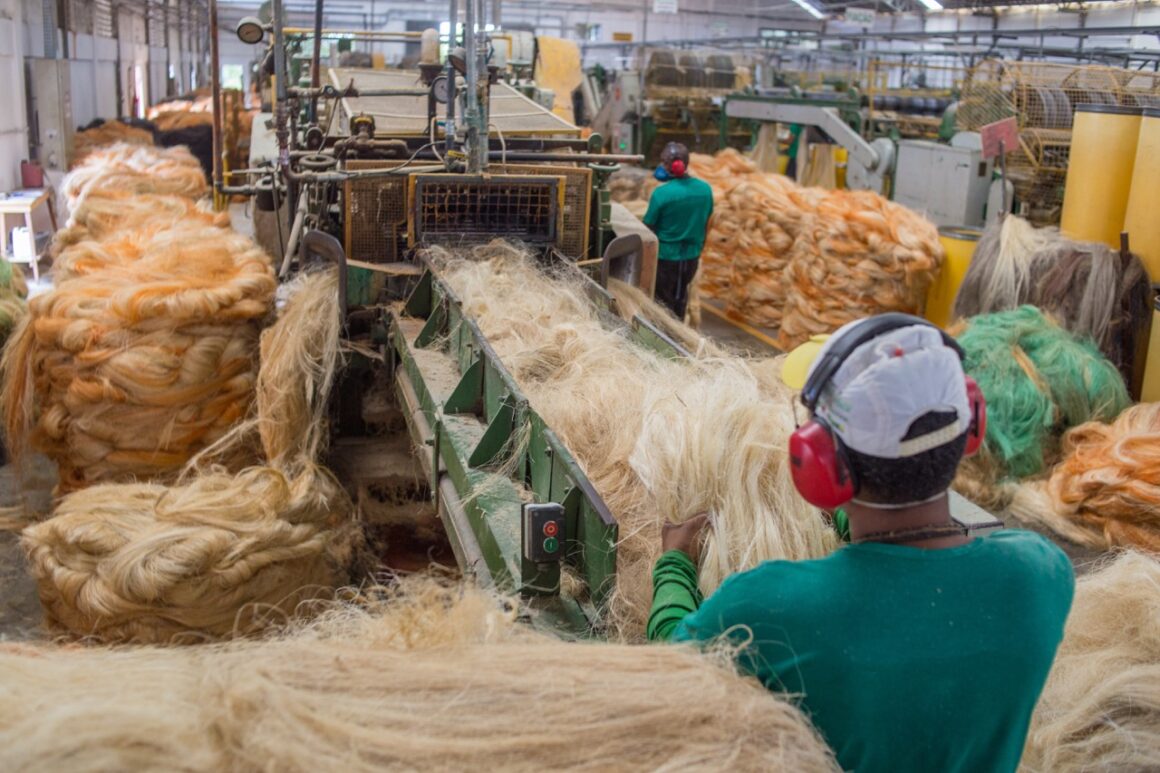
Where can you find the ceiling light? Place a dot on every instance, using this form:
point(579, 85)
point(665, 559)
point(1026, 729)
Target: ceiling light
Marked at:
point(931, 5)
point(819, 15)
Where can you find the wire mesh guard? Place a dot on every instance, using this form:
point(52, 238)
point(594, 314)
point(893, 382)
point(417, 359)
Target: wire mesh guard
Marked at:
point(449, 209)
point(572, 241)
point(376, 214)
point(1043, 97)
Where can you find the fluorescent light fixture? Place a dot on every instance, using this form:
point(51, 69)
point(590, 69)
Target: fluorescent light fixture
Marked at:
point(819, 15)
point(931, 5)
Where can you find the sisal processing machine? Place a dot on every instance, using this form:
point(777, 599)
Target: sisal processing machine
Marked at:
point(367, 169)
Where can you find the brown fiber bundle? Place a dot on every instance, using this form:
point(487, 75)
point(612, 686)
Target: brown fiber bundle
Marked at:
point(595, 388)
point(1088, 287)
point(857, 255)
point(219, 556)
point(136, 169)
point(428, 678)
point(1106, 491)
point(1100, 709)
point(107, 133)
point(129, 370)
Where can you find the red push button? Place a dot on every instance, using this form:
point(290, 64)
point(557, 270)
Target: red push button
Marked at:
point(550, 529)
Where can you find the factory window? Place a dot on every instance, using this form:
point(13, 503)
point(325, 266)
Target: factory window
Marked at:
point(232, 76)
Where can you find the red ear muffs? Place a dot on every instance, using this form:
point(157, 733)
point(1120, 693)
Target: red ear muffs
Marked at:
point(978, 407)
point(677, 168)
point(819, 467)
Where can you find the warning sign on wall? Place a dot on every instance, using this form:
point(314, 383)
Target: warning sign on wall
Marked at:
point(664, 6)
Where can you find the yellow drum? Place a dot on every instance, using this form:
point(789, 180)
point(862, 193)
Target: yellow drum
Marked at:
point(1099, 172)
point(1144, 199)
point(959, 244)
point(1150, 392)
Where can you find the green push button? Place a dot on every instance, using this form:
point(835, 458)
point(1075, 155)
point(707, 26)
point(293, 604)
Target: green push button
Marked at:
point(551, 544)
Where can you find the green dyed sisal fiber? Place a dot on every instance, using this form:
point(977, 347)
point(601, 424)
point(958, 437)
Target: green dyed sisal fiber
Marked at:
point(1038, 381)
point(13, 291)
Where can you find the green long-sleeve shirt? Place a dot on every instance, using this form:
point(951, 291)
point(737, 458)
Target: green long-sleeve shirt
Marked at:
point(906, 659)
point(678, 213)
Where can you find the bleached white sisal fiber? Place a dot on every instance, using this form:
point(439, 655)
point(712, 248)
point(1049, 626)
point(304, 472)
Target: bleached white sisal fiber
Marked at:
point(595, 387)
point(426, 679)
point(1100, 709)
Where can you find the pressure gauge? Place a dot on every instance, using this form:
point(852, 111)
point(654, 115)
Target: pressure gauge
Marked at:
point(439, 89)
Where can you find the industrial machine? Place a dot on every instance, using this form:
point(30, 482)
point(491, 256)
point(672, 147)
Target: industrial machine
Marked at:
point(367, 169)
point(951, 183)
point(675, 96)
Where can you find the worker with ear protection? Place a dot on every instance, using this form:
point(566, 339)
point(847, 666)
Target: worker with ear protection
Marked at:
point(918, 646)
point(678, 213)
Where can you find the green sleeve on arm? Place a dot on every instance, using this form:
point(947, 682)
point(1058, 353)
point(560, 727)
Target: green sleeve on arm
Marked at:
point(653, 212)
point(675, 594)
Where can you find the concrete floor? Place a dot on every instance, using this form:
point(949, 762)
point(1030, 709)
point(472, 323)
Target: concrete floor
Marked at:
point(20, 614)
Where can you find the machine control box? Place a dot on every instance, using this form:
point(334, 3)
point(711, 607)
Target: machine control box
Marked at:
point(543, 532)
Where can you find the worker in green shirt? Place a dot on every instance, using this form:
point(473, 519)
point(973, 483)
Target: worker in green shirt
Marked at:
point(678, 213)
point(917, 647)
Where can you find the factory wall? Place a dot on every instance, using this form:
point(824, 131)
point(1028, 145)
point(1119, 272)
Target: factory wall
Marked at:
point(13, 134)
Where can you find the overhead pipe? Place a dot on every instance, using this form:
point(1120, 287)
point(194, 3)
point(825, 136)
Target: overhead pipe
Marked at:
point(475, 163)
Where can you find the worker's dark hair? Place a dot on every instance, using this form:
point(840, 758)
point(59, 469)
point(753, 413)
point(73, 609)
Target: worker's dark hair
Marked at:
point(674, 151)
point(913, 478)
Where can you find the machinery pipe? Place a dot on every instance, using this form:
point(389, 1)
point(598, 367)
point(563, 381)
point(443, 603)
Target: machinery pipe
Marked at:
point(316, 59)
point(280, 90)
point(588, 158)
point(328, 91)
point(216, 90)
point(449, 126)
point(471, 111)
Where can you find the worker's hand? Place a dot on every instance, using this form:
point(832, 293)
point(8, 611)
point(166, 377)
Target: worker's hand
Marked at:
point(687, 537)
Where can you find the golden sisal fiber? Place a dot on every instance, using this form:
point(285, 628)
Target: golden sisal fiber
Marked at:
point(857, 255)
point(423, 678)
point(593, 386)
point(219, 554)
point(1105, 493)
point(222, 555)
point(129, 370)
point(299, 355)
point(107, 213)
point(1100, 709)
point(136, 169)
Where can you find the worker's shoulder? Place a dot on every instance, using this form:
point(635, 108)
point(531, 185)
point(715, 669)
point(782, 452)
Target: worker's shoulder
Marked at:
point(1030, 553)
point(698, 185)
point(782, 574)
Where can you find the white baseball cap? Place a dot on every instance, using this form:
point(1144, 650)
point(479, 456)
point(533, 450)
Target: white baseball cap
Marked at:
point(888, 382)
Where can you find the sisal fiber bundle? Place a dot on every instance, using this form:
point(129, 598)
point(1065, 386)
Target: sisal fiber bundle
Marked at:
point(594, 387)
point(181, 119)
point(13, 291)
point(222, 555)
point(1089, 288)
point(857, 254)
point(299, 355)
point(1038, 381)
point(107, 133)
point(129, 370)
point(219, 554)
point(136, 169)
point(424, 678)
point(109, 213)
point(1105, 492)
point(1100, 709)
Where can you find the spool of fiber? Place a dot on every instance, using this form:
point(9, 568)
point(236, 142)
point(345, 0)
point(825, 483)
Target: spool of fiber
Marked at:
point(959, 244)
point(1099, 172)
point(1144, 198)
point(1038, 380)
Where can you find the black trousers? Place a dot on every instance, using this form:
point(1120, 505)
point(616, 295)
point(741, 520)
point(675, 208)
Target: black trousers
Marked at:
point(672, 288)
